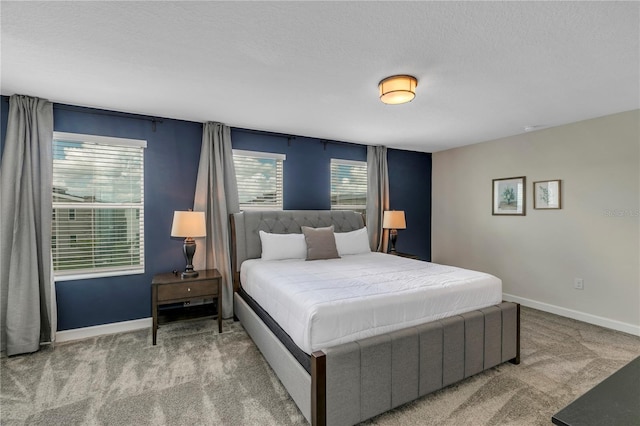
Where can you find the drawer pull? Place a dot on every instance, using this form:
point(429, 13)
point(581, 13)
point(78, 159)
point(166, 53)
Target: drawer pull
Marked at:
point(188, 288)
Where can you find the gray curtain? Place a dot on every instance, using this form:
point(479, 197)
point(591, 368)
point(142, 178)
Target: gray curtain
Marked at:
point(377, 196)
point(26, 284)
point(217, 196)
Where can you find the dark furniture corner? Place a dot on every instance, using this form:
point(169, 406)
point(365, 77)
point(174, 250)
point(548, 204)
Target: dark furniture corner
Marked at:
point(615, 401)
point(170, 288)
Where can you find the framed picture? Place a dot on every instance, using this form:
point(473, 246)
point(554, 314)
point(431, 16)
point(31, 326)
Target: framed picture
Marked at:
point(509, 196)
point(546, 194)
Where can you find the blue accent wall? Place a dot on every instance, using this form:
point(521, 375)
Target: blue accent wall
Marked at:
point(307, 174)
point(171, 163)
point(410, 190)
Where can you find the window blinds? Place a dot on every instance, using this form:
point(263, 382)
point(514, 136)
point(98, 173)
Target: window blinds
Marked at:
point(98, 206)
point(259, 176)
point(348, 185)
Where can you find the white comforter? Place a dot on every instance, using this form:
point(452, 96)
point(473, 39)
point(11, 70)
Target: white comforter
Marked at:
point(323, 303)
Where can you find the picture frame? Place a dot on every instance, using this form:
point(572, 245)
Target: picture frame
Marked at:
point(509, 196)
point(547, 194)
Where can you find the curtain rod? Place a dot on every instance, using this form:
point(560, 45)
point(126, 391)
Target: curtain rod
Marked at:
point(84, 110)
point(263, 132)
point(292, 137)
point(81, 109)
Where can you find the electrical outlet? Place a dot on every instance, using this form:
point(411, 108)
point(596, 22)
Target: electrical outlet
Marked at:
point(578, 284)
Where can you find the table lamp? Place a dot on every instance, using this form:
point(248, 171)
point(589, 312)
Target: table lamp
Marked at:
point(189, 225)
point(394, 220)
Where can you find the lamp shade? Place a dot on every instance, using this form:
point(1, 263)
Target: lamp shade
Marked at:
point(188, 224)
point(394, 219)
point(398, 89)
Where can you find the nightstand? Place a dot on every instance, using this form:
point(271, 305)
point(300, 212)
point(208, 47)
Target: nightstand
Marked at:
point(171, 288)
point(408, 255)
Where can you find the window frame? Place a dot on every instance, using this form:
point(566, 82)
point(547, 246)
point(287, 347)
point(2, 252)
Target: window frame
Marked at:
point(109, 271)
point(353, 207)
point(279, 178)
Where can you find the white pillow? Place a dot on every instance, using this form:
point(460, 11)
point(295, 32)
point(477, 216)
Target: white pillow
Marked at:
point(354, 242)
point(283, 246)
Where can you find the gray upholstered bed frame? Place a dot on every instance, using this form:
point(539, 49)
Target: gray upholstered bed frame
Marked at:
point(355, 381)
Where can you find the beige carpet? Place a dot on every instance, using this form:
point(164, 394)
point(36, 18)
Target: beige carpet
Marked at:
point(195, 376)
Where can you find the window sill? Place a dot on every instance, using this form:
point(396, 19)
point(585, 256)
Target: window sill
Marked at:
point(103, 274)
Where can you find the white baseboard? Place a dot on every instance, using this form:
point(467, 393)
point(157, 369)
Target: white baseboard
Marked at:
point(577, 315)
point(100, 330)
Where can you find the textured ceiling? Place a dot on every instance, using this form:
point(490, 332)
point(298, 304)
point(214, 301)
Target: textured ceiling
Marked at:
point(485, 69)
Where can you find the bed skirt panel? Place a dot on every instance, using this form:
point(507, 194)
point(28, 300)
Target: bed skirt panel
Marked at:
point(492, 336)
point(473, 342)
point(405, 367)
point(510, 332)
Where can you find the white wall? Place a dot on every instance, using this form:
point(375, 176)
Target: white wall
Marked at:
point(595, 236)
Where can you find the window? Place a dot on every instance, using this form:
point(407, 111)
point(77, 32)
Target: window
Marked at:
point(98, 206)
point(348, 185)
point(259, 176)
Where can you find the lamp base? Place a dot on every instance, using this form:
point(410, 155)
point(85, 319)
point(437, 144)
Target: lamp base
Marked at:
point(189, 274)
point(189, 250)
point(393, 237)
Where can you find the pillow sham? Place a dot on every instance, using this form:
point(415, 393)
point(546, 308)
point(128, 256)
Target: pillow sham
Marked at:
point(282, 246)
point(354, 242)
point(321, 244)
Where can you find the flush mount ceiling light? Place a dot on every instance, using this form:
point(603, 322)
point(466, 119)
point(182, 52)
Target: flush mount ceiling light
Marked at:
point(398, 89)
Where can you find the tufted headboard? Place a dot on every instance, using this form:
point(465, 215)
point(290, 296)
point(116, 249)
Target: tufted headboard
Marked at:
point(245, 240)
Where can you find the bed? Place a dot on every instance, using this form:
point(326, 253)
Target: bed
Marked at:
point(345, 379)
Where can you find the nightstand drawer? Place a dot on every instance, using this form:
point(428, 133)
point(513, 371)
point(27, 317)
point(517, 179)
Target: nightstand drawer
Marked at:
point(185, 290)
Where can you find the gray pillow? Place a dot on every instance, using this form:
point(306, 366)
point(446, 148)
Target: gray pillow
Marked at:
point(321, 243)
